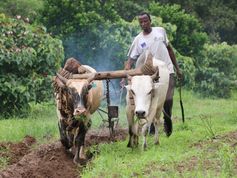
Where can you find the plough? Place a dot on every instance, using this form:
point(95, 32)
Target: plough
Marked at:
point(77, 71)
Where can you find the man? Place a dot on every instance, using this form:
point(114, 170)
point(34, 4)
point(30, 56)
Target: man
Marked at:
point(155, 40)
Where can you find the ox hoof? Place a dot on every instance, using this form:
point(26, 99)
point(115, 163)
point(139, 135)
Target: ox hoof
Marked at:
point(80, 161)
point(129, 145)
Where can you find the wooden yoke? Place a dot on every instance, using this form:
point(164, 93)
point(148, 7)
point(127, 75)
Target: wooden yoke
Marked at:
point(146, 69)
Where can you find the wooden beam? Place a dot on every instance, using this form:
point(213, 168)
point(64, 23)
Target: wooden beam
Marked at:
point(109, 74)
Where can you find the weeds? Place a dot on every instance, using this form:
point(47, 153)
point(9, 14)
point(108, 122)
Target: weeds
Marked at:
point(208, 125)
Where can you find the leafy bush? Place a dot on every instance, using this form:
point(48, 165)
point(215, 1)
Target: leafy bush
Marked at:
point(28, 58)
point(217, 74)
point(25, 8)
point(189, 38)
point(186, 64)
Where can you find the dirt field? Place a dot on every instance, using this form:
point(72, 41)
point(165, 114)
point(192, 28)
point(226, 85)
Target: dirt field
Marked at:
point(49, 160)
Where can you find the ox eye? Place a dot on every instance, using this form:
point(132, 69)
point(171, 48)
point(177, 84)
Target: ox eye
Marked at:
point(132, 92)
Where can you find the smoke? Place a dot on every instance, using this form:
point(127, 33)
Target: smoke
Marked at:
point(99, 53)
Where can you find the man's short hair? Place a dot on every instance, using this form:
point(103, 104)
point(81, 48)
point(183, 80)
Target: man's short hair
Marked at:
point(145, 13)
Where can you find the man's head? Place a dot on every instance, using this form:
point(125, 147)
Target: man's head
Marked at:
point(145, 22)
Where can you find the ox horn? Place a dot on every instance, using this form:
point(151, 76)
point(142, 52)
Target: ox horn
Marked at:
point(149, 57)
point(91, 78)
point(63, 79)
point(148, 68)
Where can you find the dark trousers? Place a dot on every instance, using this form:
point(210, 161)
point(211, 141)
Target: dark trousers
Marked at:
point(169, 98)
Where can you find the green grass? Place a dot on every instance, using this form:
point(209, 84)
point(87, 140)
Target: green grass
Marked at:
point(193, 150)
point(41, 124)
point(176, 156)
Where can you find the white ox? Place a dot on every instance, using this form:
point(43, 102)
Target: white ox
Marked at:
point(145, 99)
point(79, 98)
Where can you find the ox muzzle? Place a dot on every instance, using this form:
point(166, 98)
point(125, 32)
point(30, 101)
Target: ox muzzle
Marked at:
point(140, 114)
point(79, 111)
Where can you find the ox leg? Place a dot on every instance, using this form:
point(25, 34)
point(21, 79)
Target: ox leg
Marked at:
point(156, 125)
point(136, 140)
point(156, 122)
point(63, 135)
point(77, 148)
point(130, 116)
point(79, 143)
point(144, 134)
point(130, 141)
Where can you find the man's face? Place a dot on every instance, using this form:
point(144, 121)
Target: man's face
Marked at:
point(144, 22)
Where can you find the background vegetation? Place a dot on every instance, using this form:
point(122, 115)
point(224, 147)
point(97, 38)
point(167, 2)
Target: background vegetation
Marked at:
point(38, 35)
point(28, 57)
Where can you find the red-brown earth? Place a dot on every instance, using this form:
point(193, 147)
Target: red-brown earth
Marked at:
point(48, 160)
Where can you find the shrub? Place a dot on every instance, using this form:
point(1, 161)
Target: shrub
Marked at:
point(28, 58)
point(217, 74)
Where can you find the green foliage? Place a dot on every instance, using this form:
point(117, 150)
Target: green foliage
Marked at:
point(65, 17)
point(219, 18)
point(99, 33)
point(186, 64)
point(216, 75)
point(28, 57)
point(189, 38)
point(130, 9)
point(90, 31)
point(25, 8)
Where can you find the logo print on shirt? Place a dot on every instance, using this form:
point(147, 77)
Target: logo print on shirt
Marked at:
point(143, 45)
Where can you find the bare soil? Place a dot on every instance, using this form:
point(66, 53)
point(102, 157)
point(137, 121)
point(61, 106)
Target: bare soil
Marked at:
point(49, 160)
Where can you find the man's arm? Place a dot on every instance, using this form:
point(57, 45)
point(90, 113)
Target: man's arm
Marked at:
point(174, 61)
point(127, 66)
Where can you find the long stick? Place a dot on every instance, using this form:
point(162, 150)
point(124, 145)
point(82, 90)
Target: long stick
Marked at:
point(181, 102)
point(109, 74)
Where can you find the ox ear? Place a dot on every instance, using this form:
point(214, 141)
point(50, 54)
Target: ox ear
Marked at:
point(155, 77)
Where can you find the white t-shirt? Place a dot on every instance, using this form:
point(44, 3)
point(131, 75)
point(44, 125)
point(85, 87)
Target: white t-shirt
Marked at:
point(156, 42)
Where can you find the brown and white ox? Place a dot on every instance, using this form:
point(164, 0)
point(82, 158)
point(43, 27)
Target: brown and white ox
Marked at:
point(145, 99)
point(78, 100)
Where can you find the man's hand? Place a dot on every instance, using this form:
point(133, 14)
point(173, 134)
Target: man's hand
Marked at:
point(179, 74)
point(122, 82)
